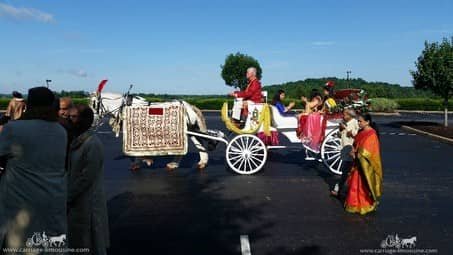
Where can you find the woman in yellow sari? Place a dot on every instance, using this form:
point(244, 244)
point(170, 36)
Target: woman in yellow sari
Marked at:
point(365, 179)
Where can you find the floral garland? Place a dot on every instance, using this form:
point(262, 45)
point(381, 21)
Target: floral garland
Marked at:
point(263, 120)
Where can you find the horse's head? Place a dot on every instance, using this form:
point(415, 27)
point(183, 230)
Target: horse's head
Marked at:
point(106, 102)
point(94, 102)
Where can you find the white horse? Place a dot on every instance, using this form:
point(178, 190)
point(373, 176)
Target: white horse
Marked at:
point(111, 104)
point(57, 241)
point(409, 242)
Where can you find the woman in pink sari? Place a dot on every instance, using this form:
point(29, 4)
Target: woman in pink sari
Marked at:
point(311, 122)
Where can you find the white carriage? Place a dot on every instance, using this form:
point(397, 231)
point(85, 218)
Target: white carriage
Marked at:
point(246, 153)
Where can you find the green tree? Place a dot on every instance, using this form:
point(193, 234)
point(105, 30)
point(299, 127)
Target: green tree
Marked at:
point(435, 71)
point(73, 94)
point(235, 67)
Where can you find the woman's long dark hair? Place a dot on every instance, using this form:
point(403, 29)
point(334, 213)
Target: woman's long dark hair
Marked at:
point(276, 97)
point(367, 117)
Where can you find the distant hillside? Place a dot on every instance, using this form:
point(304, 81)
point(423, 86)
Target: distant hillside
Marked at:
point(374, 89)
point(293, 89)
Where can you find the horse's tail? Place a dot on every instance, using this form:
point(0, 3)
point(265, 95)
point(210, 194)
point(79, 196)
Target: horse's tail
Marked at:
point(201, 121)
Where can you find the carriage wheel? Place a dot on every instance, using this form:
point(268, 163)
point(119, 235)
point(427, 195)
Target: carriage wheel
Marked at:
point(29, 242)
point(330, 151)
point(246, 154)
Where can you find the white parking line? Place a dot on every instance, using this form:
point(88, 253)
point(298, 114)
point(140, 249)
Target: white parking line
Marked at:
point(104, 132)
point(397, 134)
point(245, 245)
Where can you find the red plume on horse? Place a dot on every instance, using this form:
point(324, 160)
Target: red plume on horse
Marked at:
point(101, 86)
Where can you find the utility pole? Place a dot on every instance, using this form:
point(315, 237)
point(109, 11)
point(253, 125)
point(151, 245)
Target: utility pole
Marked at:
point(47, 83)
point(347, 77)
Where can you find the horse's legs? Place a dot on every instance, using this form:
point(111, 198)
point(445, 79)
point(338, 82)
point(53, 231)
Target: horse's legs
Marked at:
point(148, 161)
point(135, 165)
point(138, 161)
point(204, 157)
point(175, 163)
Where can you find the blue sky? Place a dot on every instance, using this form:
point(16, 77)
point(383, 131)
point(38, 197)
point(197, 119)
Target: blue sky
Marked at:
point(177, 47)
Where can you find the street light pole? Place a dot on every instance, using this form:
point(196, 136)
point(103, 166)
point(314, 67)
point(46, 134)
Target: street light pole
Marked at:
point(47, 83)
point(347, 77)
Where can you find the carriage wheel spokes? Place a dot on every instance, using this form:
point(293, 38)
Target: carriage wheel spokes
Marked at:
point(331, 151)
point(246, 154)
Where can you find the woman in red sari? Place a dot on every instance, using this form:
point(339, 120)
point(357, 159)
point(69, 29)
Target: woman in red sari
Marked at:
point(365, 179)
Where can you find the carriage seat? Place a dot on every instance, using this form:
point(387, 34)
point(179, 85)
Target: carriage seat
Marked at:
point(282, 122)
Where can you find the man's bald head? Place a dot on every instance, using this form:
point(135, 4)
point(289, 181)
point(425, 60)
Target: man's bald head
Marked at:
point(65, 105)
point(251, 73)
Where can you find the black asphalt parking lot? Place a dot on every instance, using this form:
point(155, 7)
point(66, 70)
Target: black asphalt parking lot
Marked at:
point(285, 208)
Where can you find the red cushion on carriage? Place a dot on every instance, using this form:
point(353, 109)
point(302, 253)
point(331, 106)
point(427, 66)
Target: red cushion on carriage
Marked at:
point(343, 93)
point(156, 111)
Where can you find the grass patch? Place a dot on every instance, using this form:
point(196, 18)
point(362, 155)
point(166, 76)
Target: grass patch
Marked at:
point(422, 104)
point(383, 105)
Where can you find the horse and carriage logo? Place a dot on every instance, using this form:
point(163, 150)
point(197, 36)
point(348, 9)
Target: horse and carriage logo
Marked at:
point(393, 241)
point(41, 239)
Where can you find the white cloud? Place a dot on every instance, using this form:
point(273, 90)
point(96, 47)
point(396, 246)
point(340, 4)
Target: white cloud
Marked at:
point(22, 13)
point(79, 73)
point(323, 43)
